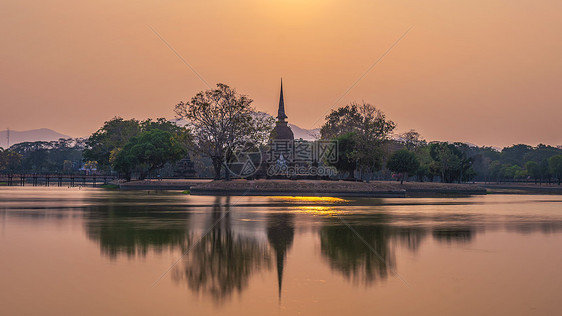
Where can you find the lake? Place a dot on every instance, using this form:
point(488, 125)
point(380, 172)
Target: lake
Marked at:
point(91, 251)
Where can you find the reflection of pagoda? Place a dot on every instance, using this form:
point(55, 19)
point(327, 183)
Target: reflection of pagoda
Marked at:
point(280, 234)
point(282, 130)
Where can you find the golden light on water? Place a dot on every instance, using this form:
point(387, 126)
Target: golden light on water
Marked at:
point(316, 210)
point(314, 199)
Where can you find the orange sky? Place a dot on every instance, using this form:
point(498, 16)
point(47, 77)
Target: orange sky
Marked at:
point(486, 72)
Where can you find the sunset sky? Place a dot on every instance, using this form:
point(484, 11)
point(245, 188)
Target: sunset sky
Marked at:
point(486, 72)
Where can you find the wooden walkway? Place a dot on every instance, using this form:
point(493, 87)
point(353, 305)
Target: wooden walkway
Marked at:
point(55, 179)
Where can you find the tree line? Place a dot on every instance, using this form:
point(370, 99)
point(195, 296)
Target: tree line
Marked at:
point(63, 155)
point(220, 121)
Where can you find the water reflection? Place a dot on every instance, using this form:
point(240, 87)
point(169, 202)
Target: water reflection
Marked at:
point(258, 234)
point(222, 262)
point(352, 257)
point(133, 230)
point(453, 234)
point(280, 234)
point(411, 237)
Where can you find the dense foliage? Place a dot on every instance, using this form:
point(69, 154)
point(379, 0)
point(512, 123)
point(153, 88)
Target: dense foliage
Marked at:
point(403, 162)
point(363, 134)
point(128, 146)
point(148, 151)
point(364, 130)
point(103, 145)
point(220, 122)
point(9, 160)
point(63, 155)
point(463, 162)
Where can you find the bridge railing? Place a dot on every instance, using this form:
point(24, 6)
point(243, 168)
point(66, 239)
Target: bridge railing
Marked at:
point(21, 179)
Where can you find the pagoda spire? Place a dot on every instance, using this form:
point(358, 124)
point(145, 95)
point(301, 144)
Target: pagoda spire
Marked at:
point(281, 116)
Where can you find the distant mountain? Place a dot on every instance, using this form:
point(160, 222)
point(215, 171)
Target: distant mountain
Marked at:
point(299, 132)
point(306, 134)
point(41, 134)
point(45, 134)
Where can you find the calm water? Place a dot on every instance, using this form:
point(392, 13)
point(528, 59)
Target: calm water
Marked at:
point(95, 252)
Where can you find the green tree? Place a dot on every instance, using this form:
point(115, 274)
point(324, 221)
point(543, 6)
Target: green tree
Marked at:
point(343, 120)
point(541, 152)
point(490, 153)
point(424, 157)
point(346, 162)
point(404, 162)
point(481, 166)
point(555, 164)
point(148, 151)
point(451, 162)
point(447, 161)
point(10, 160)
point(43, 156)
point(515, 154)
point(544, 168)
point(412, 139)
point(533, 170)
point(103, 145)
point(495, 170)
point(370, 130)
point(509, 171)
point(221, 121)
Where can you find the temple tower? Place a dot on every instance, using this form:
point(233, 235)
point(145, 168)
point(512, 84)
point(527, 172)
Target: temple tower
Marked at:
point(282, 130)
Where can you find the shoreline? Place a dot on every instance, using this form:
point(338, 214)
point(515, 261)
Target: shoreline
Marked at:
point(341, 188)
point(380, 189)
point(523, 188)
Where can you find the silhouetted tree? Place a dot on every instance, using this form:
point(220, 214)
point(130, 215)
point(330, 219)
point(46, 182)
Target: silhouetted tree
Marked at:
point(369, 129)
point(103, 145)
point(346, 162)
point(404, 162)
point(221, 120)
point(411, 140)
point(148, 151)
point(49, 156)
point(449, 161)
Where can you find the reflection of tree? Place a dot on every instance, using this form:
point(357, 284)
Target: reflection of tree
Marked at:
point(132, 230)
point(453, 234)
point(348, 255)
point(411, 236)
point(544, 226)
point(222, 262)
point(280, 233)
